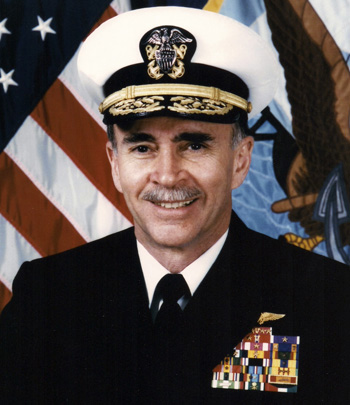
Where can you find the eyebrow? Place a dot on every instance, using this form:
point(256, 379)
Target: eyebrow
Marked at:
point(193, 137)
point(138, 137)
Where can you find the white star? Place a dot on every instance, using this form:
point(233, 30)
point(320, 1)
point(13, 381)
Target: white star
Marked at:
point(3, 29)
point(6, 79)
point(44, 27)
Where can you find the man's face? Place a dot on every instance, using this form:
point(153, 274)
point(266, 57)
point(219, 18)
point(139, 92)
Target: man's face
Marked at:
point(176, 176)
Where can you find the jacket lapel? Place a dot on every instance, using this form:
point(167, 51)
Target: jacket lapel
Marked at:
point(226, 305)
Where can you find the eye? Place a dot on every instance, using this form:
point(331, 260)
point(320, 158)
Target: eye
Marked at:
point(196, 146)
point(141, 149)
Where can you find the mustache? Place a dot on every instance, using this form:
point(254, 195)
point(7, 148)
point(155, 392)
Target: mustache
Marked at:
point(160, 194)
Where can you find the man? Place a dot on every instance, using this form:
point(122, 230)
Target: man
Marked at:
point(169, 311)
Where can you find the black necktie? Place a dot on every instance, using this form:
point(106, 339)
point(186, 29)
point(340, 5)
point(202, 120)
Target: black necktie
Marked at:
point(170, 316)
point(169, 328)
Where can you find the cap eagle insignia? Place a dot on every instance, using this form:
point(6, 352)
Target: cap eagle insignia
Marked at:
point(164, 54)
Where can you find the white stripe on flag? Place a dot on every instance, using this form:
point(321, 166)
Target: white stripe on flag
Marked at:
point(59, 179)
point(14, 250)
point(121, 6)
point(70, 78)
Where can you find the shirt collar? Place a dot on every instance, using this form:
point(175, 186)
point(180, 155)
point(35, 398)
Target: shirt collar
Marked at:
point(153, 271)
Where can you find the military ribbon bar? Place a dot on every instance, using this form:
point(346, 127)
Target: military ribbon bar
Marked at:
point(260, 362)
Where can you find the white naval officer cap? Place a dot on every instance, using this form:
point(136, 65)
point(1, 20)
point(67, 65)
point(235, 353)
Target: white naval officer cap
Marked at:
point(177, 61)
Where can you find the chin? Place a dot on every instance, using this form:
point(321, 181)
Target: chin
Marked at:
point(171, 237)
point(172, 242)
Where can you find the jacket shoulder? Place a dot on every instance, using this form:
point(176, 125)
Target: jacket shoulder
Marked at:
point(88, 261)
point(277, 255)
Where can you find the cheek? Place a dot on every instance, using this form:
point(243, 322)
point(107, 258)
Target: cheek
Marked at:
point(131, 178)
point(115, 172)
point(221, 169)
point(216, 178)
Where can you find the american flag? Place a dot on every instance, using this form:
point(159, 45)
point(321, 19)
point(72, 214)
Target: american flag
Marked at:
point(55, 187)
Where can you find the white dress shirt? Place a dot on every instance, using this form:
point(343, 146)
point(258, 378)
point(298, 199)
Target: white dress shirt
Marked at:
point(153, 271)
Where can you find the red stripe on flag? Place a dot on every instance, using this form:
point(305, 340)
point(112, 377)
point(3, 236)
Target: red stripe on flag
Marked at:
point(5, 296)
point(108, 13)
point(80, 137)
point(32, 214)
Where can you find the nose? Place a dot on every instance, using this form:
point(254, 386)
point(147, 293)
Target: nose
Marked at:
point(168, 169)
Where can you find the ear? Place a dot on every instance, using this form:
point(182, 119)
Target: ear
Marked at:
point(113, 160)
point(242, 156)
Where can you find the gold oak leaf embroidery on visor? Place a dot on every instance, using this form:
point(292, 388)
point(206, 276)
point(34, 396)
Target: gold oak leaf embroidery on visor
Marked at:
point(189, 99)
point(137, 105)
point(195, 105)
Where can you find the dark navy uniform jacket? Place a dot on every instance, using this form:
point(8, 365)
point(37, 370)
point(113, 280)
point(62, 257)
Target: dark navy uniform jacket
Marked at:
point(79, 329)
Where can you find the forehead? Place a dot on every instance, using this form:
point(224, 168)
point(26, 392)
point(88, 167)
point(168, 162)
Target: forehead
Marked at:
point(158, 126)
